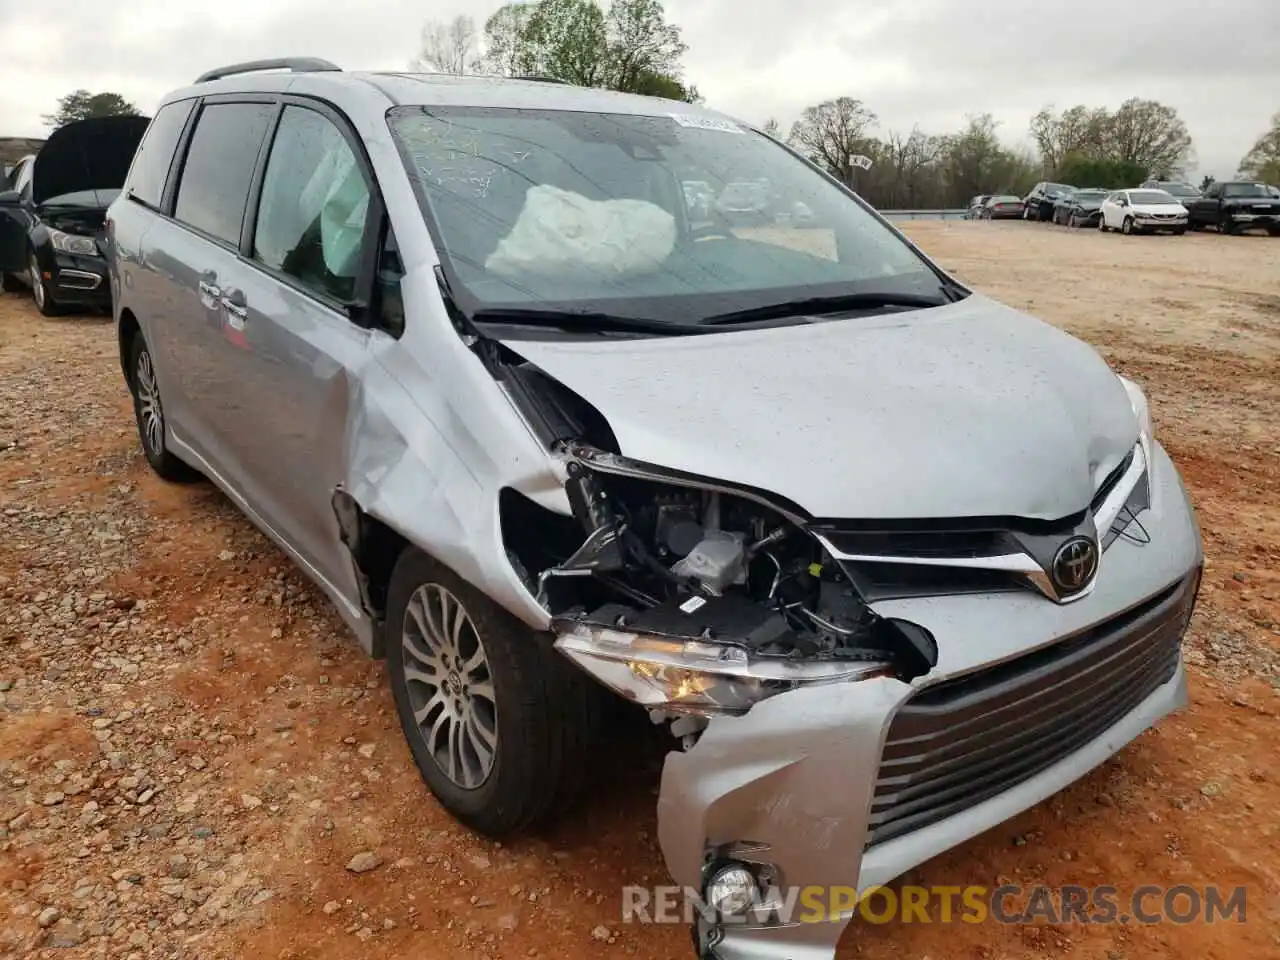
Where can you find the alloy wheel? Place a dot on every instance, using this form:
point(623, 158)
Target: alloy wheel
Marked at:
point(37, 282)
point(450, 687)
point(149, 410)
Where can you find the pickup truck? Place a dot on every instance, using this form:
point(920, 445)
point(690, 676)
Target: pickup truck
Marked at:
point(1236, 205)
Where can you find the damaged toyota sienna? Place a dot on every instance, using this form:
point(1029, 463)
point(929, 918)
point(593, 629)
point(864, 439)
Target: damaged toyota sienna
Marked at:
point(891, 562)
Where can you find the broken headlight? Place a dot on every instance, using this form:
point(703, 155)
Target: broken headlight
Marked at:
point(694, 676)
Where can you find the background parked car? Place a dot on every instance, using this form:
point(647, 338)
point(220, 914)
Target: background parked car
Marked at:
point(1237, 205)
point(1039, 202)
point(1082, 208)
point(1180, 190)
point(974, 210)
point(1003, 207)
point(52, 220)
point(745, 202)
point(1143, 211)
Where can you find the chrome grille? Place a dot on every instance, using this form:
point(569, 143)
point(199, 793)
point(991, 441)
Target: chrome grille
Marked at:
point(962, 741)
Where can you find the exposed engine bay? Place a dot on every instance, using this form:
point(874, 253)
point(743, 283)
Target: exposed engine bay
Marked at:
point(688, 596)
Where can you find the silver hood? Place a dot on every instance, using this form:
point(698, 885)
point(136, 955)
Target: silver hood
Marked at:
point(967, 410)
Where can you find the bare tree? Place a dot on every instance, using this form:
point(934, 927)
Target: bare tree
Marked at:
point(772, 129)
point(1151, 135)
point(836, 134)
point(448, 47)
point(1080, 130)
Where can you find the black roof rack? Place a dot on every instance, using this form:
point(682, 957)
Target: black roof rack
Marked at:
point(537, 79)
point(295, 64)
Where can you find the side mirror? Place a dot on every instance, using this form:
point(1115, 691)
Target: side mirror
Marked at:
point(10, 198)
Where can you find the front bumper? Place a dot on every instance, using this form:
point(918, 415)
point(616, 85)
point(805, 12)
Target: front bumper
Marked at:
point(1248, 220)
point(1159, 223)
point(76, 280)
point(795, 780)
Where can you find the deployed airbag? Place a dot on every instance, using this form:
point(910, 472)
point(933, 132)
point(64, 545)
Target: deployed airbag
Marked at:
point(560, 231)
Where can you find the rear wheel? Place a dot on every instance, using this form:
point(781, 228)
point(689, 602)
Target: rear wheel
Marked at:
point(497, 721)
point(10, 284)
point(1226, 227)
point(1102, 224)
point(149, 414)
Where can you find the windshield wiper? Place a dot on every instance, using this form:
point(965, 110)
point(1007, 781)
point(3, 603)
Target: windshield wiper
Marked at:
point(817, 306)
point(583, 321)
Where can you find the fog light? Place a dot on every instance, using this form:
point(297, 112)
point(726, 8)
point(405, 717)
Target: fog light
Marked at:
point(732, 890)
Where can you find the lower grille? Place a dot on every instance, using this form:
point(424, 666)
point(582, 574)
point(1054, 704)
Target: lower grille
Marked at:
point(963, 741)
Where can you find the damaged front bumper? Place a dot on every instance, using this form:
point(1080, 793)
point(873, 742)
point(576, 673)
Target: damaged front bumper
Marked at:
point(850, 785)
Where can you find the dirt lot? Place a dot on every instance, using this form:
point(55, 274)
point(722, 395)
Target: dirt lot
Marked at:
point(191, 749)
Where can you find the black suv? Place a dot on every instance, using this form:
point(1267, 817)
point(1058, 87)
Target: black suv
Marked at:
point(1038, 204)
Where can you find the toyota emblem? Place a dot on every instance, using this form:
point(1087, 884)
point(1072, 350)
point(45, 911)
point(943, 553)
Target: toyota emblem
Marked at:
point(1074, 564)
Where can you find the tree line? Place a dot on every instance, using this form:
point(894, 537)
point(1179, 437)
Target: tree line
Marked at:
point(633, 48)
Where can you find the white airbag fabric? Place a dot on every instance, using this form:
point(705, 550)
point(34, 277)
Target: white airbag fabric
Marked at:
point(558, 230)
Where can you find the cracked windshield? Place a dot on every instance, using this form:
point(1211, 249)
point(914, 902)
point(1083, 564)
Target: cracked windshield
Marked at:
point(681, 213)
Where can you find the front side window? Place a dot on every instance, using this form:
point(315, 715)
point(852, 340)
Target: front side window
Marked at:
point(666, 217)
point(315, 201)
point(151, 165)
point(214, 188)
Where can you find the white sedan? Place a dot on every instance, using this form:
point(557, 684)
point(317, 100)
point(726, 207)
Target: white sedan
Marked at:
point(1143, 211)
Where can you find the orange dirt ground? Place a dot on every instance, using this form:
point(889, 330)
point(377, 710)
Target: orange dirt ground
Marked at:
point(192, 748)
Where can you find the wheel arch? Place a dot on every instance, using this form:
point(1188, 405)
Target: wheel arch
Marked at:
point(127, 329)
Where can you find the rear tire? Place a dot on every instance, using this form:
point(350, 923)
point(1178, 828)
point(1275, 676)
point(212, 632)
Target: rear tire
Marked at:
point(498, 723)
point(1226, 228)
point(10, 284)
point(1102, 224)
point(149, 414)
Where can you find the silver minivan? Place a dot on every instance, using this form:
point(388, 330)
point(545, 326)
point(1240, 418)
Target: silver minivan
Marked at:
point(891, 561)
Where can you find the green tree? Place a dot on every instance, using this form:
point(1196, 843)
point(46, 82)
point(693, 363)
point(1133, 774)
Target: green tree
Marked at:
point(567, 40)
point(641, 45)
point(1262, 162)
point(1110, 174)
point(1206, 182)
point(633, 48)
point(506, 52)
point(81, 105)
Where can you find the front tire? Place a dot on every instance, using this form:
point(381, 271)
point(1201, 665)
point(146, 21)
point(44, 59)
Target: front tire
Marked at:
point(497, 721)
point(148, 411)
point(39, 292)
point(1126, 226)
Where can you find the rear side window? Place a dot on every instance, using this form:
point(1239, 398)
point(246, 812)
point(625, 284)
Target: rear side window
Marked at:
point(314, 207)
point(151, 165)
point(214, 188)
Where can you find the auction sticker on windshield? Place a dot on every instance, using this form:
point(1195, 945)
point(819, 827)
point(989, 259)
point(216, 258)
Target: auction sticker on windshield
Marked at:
point(706, 123)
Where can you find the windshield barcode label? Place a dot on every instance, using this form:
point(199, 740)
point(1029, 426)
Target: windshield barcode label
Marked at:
point(706, 123)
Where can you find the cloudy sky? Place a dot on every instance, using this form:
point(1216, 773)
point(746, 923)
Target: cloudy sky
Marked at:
point(926, 62)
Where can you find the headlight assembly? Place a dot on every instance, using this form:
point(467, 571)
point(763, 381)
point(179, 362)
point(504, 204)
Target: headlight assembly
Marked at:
point(690, 676)
point(74, 244)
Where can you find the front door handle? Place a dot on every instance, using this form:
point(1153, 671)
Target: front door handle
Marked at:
point(237, 311)
point(209, 294)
